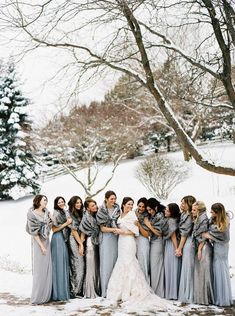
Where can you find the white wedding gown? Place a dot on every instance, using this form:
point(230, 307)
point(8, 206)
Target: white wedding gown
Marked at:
point(127, 281)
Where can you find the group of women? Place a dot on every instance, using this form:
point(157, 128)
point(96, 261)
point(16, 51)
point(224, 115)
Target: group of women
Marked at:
point(169, 252)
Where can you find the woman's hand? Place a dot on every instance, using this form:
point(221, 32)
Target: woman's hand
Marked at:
point(69, 221)
point(81, 249)
point(119, 231)
point(43, 250)
point(178, 252)
point(206, 235)
point(199, 254)
point(147, 222)
point(137, 223)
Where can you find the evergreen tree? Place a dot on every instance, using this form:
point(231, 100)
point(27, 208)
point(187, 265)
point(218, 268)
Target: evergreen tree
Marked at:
point(18, 167)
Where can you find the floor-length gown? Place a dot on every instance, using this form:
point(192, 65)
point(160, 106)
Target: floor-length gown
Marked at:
point(221, 277)
point(188, 260)
point(76, 261)
point(143, 247)
point(38, 225)
point(108, 243)
point(203, 272)
point(127, 282)
point(172, 263)
point(89, 226)
point(60, 259)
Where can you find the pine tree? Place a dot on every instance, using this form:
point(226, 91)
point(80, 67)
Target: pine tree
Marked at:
point(18, 167)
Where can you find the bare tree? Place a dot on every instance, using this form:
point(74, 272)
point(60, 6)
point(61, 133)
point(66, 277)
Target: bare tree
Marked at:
point(131, 37)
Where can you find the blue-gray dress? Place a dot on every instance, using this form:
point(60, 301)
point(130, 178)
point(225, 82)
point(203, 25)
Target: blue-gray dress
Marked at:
point(60, 258)
point(222, 283)
point(143, 246)
point(203, 275)
point(89, 226)
point(157, 255)
point(188, 260)
point(108, 244)
point(172, 264)
point(42, 266)
point(76, 261)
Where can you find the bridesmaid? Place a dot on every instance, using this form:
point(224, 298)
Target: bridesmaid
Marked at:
point(107, 217)
point(76, 250)
point(157, 226)
point(90, 231)
point(186, 250)
point(203, 278)
point(219, 235)
point(39, 226)
point(143, 244)
point(59, 251)
point(172, 263)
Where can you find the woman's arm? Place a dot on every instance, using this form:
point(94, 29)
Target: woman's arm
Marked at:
point(199, 252)
point(174, 240)
point(143, 232)
point(62, 226)
point(153, 230)
point(119, 231)
point(178, 251)
point(105, 229)
point(38, 240)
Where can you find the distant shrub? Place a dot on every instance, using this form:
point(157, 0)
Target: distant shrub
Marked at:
point(160, 175)
point(10, 265)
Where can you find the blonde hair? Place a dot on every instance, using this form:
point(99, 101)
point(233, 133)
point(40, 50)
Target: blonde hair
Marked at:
point(221, 219)
point(201, 207)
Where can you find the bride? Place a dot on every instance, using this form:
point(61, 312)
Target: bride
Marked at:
point(127, 282)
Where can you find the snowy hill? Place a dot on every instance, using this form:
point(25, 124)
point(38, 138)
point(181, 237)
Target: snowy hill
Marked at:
point(15, 248)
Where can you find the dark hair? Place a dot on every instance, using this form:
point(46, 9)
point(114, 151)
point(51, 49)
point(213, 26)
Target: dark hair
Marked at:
point(142, 200)
point(72, 209)
point(154, 204)
point(56, 200)
point(88, 201)
point(125, 200)
point(189, 200)
point(174, 210)
point(37, 199)
point(109, 193)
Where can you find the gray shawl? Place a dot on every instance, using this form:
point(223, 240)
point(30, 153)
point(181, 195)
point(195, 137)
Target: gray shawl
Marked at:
point(159, 222)
point(37, 225)
point(60, 217)
point(103, 217)
point(217, 236)
point(186, 224)
point(172, 227)
point(141, 217)
point(90, 227)
point(200, 226)
point(76, 221)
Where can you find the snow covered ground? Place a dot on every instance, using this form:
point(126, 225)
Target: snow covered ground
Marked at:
point(15, 248)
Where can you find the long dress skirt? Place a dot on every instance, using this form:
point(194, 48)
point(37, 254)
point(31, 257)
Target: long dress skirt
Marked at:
point(108, 258)
point(91, 287)
point(60, 267)
point(143, 251)
point(77, 268)
point(172, 265)
point(42, 273)
point(187, 272)
point(222, 283)
point(157, 266)
point(203, 277)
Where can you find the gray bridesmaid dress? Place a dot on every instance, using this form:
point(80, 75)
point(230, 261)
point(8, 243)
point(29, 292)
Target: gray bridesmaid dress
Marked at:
point(42, 266)
point(60, 259)
point(89, 226)
point(203, 275)
point(188, 260)
point(172, 264)
point(76, 261)
point(157, 255)
point(108, 244)
point(221, 281)
point(143, 247)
